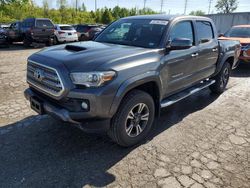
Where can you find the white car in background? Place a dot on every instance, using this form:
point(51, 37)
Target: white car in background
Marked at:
point(65, 33)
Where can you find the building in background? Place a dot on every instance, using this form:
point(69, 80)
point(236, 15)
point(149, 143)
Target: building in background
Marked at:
point(224, 22)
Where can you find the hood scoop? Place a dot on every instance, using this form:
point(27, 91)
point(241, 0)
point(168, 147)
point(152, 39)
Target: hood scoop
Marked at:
point(75, 48)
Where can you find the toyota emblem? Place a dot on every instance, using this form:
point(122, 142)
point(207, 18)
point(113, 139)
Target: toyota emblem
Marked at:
point(39, 74)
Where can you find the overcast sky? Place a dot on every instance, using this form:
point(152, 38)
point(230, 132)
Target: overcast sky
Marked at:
point(172, 6)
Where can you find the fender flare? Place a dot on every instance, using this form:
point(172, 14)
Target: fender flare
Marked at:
point(223, 60)
point(131, 83)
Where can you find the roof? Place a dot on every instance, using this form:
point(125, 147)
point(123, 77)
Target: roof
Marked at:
point(61, 25)
point(164, 17)
point(241, 26)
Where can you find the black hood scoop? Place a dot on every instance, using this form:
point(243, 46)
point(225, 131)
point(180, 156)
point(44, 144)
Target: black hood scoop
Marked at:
point(75, 48)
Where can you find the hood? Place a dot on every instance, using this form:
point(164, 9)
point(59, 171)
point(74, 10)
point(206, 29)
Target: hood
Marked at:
point(88, 56)
point(242, 40)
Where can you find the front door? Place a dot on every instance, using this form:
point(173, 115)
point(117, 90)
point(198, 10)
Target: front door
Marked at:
point(177, 64)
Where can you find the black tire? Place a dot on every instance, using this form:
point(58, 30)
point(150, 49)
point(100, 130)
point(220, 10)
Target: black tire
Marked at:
point(221, 79)
point(55, 41)
point(120, 129)
point(26, 42)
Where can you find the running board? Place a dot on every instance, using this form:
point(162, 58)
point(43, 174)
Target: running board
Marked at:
point(186, 93)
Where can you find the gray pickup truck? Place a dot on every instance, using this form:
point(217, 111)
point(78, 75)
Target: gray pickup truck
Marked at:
point(137, 65)
point(32, 30)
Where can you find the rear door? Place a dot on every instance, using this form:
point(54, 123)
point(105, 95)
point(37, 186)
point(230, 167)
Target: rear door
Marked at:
point(205, 64)
point(44, 29)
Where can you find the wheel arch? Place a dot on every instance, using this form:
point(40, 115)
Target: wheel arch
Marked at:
point(148, 82)
point(228, 57)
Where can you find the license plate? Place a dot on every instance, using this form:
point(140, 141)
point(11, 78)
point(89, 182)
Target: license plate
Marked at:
point(36, 105)
point(69, 33)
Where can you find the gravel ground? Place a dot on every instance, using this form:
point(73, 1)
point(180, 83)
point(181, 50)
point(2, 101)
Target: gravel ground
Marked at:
point(203, 141)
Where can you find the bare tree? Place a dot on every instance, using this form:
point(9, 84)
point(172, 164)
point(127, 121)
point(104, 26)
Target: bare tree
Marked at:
point(226, 6)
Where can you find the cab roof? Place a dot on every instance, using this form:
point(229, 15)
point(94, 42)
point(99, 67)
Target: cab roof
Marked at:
point(166, 17)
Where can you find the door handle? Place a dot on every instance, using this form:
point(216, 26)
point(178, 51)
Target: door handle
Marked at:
point(194, 54)
point(215, 49)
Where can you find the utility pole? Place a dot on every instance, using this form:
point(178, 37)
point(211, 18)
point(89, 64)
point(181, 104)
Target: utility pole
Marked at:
point(162, 1)
point(209, 7)
point(144, 5)
point(95, 5)
point(185, 8)
point(76, 5)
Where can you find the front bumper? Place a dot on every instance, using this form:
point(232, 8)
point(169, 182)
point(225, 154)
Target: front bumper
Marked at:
point(84, 120)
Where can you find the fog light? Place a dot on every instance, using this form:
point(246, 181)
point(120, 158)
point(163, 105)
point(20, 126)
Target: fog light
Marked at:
point(85, 106)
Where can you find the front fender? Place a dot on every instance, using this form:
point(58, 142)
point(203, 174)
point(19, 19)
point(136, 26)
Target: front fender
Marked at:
point(131, 83)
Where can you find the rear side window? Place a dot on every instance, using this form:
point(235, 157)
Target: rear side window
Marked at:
point(82, 28)
point(182, 30)
point(44, 24)
point(204, 31)
point(27, 24)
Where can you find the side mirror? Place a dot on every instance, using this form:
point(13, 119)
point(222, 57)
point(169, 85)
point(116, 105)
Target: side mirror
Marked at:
point(221, 35)
point(180, 44)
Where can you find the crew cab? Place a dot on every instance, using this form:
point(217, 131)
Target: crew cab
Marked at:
point(32, 30)
point(137, 65)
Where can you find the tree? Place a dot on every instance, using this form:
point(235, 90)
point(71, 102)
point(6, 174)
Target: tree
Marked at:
point(197, 13)
point(107, 16)
point(84, 8)
point(62, 4)
point(226, 6)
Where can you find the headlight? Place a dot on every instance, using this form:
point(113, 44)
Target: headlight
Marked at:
point(92, 79)
point(245, 54)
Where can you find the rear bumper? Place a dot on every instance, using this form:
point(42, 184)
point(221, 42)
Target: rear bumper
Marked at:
point(83, 120)
point(67, 39)
point(42, 39)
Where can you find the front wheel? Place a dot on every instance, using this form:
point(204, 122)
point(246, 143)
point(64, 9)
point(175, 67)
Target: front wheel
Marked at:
point(221, 79)
point(133, 120)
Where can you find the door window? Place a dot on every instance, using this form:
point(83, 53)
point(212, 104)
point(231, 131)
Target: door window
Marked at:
point(183, 30)
point(204, 31)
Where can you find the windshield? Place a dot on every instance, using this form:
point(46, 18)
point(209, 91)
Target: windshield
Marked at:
point(134, 32)
point(44, 24)
point(241, 32)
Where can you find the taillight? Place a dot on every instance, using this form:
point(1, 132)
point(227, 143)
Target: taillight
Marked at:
point(31, 31)
point(60, 32)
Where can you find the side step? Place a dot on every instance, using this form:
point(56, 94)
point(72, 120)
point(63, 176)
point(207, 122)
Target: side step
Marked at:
point(182, 95)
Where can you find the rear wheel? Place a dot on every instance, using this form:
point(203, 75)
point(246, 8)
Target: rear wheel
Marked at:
point(133, 120)
point(221, 79)
point(55, 41)
point(26, 42)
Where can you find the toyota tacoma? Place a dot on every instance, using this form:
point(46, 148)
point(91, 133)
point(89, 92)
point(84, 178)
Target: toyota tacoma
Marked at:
point(137, 65)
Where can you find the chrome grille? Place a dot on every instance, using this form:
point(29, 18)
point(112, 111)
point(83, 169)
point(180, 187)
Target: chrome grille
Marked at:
point(44, 78)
